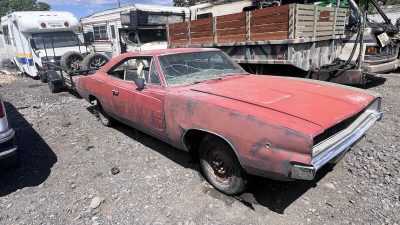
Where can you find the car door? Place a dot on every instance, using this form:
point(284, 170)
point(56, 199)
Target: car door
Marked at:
point(142, 109)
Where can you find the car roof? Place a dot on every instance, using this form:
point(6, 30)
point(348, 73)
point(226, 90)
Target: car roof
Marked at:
point(170, 51)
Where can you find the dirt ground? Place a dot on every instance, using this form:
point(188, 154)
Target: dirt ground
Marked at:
point(66, 157)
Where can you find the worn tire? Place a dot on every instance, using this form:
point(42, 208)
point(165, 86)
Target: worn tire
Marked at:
point(220, 166)
point(53, 88)
point(43, 76)
point(71, 60)
point(9, 162)
point(105, 119)
point(94, 61)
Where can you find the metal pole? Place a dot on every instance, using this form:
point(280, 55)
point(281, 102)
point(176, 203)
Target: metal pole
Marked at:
point(119, 3)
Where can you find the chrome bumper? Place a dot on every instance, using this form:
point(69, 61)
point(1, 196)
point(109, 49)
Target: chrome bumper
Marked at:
point(7, 144)
point(336, 146)
point(383, 67)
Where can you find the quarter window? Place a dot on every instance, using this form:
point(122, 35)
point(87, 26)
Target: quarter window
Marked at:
point(100, 32)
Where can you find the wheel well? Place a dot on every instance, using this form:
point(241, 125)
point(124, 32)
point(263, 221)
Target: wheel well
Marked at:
point(193, 138)
point(92, 98)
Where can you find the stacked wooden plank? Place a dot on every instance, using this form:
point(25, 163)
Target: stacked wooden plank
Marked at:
point(315, 21)
point(277, 23)
point(201, 31)
point(178, 33)
point(270, 24)
point(231, 28)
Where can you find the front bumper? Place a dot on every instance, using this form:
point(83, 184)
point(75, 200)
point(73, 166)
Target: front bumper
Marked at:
point(336, 146)
point(7, 144)
point(383, 67)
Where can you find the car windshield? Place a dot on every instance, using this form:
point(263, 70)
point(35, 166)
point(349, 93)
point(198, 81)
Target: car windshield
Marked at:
point(56, 40)
point(193, 67)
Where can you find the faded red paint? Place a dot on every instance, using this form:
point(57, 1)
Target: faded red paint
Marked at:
point(248, 111)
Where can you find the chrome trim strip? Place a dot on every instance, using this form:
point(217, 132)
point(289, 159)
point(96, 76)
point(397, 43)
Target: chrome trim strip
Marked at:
point(336, 149)
point(7, 135)
point(307, 172)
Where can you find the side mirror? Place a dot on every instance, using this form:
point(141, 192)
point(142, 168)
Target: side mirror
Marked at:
point(33, 43)
point(140, 83)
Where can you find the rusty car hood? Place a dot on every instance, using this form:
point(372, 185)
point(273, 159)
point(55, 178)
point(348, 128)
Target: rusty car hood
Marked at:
point(320, 103)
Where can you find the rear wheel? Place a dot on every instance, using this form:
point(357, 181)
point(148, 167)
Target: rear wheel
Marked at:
point(221, 167)
point(105, 119)
point(71, 60)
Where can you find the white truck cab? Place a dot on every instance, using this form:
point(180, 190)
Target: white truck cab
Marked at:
point(34, 38)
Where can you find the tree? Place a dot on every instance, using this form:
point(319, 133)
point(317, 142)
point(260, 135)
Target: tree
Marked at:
point(183, 3)
point(8, 6)
point(42, 6)
point(4, 7)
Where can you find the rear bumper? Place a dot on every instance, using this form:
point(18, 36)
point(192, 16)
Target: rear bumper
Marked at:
point(7, 144)
point(383, 67)
point(336, 146)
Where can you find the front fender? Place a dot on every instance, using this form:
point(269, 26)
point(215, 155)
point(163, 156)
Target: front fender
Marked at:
point(263, 147)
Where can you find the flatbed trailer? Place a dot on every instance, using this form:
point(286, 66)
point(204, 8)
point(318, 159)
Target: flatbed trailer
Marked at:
point(307, 38)
point(58, 78)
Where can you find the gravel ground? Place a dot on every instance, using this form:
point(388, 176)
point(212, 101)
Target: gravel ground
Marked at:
point(66, 159)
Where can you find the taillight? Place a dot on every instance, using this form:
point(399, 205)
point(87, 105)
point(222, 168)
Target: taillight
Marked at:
point(370, 50)
point(2, 113)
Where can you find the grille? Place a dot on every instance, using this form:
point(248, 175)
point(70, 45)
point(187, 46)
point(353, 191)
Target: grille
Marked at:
point(335, 129)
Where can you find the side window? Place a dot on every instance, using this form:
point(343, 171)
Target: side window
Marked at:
point(100, 32)
point(132, 68)
point(127, 70)
point(6, 35)
point(112, 27)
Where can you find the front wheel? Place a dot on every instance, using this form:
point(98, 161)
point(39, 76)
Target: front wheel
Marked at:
point(221, 167)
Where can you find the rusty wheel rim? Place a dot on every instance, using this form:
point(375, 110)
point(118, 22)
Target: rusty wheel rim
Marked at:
point(219, 165)
point(74, 63)
point(97, 63)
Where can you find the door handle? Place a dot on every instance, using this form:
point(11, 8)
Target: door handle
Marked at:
point(115, 92)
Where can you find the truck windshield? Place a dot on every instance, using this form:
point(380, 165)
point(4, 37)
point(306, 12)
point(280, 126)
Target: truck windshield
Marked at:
point(56, 40)
point(194, 67)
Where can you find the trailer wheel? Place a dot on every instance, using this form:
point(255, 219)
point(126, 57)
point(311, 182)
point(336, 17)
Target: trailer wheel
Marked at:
point(43, 76)
point(71, 60)
point(105, 119)
point(94, 61)
point(53, 87)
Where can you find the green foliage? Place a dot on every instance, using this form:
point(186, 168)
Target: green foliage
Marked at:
point(392, 2)
point(8, 6)
point(4, 7)
point(182, 3)
point(42, 6)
